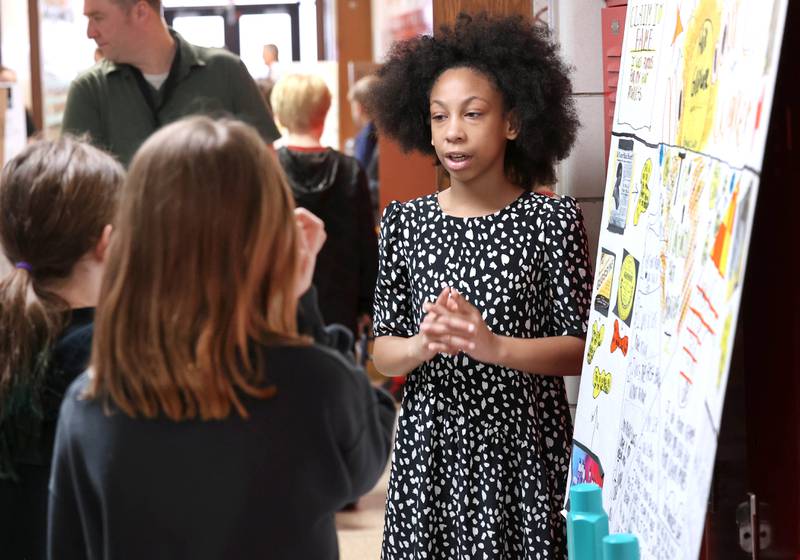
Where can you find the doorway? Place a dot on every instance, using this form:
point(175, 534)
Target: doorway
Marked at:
point(243, 30)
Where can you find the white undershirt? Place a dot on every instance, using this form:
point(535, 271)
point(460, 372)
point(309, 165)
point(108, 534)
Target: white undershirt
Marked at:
point(156, 80)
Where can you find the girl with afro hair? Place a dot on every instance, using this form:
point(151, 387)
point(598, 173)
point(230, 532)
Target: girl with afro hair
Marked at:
point(482, 295)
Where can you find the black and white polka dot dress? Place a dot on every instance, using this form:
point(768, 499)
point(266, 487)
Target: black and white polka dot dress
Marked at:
point(482, 452)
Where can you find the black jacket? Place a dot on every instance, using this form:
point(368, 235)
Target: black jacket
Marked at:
point(334, 187)
point(27, 432)
point(263, 487)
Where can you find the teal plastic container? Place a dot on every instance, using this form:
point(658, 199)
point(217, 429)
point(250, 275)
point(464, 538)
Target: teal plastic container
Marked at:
point(587, 522)
point(621, 546)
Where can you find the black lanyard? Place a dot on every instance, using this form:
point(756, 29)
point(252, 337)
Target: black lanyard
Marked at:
point(148, 91)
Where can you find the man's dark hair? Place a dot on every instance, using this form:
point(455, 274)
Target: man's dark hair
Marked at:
point(517, 56)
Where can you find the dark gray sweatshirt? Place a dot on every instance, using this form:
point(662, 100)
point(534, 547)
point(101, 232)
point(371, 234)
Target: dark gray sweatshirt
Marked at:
point(264, 487)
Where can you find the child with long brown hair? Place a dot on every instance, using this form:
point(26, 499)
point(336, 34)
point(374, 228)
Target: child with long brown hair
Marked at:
point(206, 426)
point(57, 199)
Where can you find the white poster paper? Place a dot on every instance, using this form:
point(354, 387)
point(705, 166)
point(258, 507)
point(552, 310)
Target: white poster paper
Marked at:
point(694, 97)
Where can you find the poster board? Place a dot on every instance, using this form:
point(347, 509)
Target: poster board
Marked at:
point(694, 96)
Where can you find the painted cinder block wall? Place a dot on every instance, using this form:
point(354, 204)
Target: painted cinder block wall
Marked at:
point(577, 27)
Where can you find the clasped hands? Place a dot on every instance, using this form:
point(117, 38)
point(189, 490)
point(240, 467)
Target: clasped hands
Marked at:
point(453, 325)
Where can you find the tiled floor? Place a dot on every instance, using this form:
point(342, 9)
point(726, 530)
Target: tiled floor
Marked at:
point(360, 530)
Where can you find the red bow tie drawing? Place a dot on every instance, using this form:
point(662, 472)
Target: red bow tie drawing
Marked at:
point(618, 341)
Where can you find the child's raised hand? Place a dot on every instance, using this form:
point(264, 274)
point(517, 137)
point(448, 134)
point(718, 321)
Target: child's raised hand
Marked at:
point(311, 237)
point(312, 230)
point(460, 325)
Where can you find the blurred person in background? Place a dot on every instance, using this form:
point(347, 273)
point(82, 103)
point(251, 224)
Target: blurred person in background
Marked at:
point(269, 55)
point(265, 86)
point(334, 187)
point(365, 144)
point(151, 76)
point(266, 81)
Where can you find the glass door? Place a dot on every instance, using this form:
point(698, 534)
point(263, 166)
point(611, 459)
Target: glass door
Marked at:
point(202, 30)
point(259, 29)
point(243, 30)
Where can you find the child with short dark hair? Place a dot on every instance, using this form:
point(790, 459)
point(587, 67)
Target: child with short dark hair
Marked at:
point(483, 294)
point(57, 201)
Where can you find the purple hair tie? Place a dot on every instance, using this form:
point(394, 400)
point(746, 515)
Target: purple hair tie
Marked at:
point(23, 264)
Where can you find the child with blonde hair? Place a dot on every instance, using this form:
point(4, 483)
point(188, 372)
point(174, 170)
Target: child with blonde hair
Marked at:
point(334, 187)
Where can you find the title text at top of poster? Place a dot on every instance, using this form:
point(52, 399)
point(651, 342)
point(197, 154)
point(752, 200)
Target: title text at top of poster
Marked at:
point(645, 15)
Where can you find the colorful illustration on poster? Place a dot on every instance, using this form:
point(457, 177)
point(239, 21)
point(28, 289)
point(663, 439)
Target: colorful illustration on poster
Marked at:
point(736, 269)
point(722, 240)
point(695, 91)
point(595, 341)
point(585, 466)
point(601, 382)
point(605, 281)
point(699, 79)
point(644, 191)
point(619, 342)
point(724, 344)
point(622, 186)
point(626, 292)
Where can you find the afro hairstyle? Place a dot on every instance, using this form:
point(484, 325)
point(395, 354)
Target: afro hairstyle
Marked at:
point(517, 56)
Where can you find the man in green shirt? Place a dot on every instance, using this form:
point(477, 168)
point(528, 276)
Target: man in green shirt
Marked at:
point(151, 76)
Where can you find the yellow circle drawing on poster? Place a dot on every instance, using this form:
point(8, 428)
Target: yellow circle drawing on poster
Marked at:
point(699, 84)
point(627, 287)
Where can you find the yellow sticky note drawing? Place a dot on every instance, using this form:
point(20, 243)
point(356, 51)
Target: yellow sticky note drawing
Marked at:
point(601, 382)
point(596, 341)
point(644, 193)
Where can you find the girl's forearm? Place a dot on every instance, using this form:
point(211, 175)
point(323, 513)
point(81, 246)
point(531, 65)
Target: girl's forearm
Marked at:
point(555, 355)
point(395, 355)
